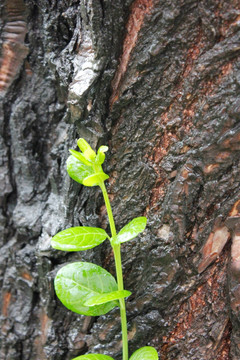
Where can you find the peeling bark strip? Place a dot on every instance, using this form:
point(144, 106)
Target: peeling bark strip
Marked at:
point(218, 239)
point(13, 49)
point(213, 246)
point(6, 302)
point(138, 10)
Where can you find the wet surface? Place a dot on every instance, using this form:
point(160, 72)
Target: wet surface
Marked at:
point(172, 126)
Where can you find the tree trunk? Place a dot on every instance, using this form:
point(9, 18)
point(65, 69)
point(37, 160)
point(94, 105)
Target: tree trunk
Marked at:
point(157, 81)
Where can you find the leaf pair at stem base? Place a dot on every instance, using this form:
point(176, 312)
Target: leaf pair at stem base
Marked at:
point(85, 288)
point(144, 353)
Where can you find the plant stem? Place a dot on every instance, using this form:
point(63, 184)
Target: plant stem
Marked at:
point(117, 256)
point(118, 264)
point(109, 209)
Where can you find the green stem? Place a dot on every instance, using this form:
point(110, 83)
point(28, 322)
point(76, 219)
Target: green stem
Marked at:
point(117, 256)
point(118, 264)
point(109, 209)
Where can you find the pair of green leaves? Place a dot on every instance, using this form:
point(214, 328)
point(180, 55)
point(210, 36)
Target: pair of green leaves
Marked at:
point(144, 353)
point(86, 288)
point(84, 237)
point(85, 167)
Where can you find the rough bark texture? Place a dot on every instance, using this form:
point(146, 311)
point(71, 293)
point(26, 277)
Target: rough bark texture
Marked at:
point(158, 81)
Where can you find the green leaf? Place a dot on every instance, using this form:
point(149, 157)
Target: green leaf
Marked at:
point(77, 282)
point(77, 170)
point(100, 155)
point(103, 149)
point(80, 157)
point(89, 154)
point(86, 149)
point(78, 238)
point(93, 357)
point(145, 353)
point(101, 299)
point(95, 179)
point(131, 230)
point(83, 145)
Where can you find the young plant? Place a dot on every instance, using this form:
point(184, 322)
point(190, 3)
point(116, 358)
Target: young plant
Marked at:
point(87, 288)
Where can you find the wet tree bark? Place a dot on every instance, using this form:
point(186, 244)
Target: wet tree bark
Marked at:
point(158, 81)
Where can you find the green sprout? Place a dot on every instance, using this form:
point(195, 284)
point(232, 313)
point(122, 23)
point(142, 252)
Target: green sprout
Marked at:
point(86, 288)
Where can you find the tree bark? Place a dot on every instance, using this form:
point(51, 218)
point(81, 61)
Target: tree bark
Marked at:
point(158, 82)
